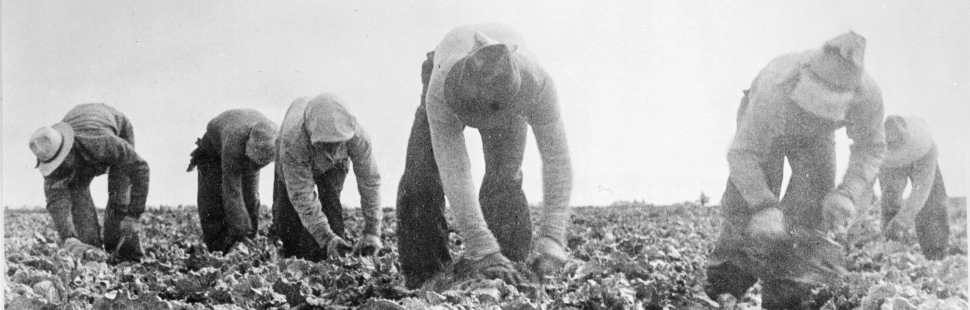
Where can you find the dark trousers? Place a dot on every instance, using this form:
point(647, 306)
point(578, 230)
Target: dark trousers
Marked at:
point(297, 241)
point(84, 216)
point(932, 226)
point(733, 267)
point(422, 227)
point(216, 218)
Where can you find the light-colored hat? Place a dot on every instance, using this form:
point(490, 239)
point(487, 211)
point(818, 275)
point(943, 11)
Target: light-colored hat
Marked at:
point(832, 74)
point(328, 120)
point(51, 144)
point(907, 140)
point(480, 87)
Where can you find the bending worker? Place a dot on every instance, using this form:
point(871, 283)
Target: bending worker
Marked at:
point(911, 156)
point(481, 76)
point(792, 110)
point(93, 139)
point(236, 145)
point(319, 139)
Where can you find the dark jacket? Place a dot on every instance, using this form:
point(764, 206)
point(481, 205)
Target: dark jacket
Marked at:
point(240, 141)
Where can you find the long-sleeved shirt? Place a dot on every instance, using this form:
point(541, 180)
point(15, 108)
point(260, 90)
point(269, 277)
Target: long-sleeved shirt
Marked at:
point(538, 101)
point(770, 114)
point(226, 138)
point(306, 148)
point(105, 142)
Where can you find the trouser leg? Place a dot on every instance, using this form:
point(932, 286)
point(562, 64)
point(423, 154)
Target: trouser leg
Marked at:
point(813, 176)
point(502, 200)
point(212, 215)
point(250, 190)
point(731, 267)
point(812, 162)
point(83, 213)
point(422, 227)
point(329, 186)
point(932, 222)
point(297, 241)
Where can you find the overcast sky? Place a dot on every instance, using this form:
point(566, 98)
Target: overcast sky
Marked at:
point(649, 89)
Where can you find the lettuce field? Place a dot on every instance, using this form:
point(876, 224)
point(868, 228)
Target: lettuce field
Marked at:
point(627, 256)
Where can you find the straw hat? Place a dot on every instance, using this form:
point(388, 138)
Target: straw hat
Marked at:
point(51, 144)
point(481, 87)
point(329, 121)
point(907, 140)
point(830, 77)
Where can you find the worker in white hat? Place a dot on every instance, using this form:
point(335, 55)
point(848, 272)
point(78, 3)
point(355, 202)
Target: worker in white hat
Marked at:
point(911, 158)
point(792, 110)
point(93, 139)
point(482, 76)
point(319, 140)
point(236, 145)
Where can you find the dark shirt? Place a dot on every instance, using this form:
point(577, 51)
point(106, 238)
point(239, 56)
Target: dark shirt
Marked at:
point(225, 143)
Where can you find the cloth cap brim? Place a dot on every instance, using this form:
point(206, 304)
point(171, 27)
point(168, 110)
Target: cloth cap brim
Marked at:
point(328, 121)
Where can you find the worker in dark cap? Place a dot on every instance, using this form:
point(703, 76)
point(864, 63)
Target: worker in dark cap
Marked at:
point(236, 145)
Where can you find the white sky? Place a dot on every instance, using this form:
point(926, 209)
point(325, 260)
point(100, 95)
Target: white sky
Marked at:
point(649, 89)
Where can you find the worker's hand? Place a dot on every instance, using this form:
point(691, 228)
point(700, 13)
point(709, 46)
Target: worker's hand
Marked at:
point(497, 266)
point(368, 245)
point(338, 247)
point(84, 250)
point(768, 224)
point(838, 211)
point(548, 256)
point(129, 245)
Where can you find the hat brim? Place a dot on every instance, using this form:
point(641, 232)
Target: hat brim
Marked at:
point(67, 143)
point(833, 70)
point(820, 99)
point(328, 120)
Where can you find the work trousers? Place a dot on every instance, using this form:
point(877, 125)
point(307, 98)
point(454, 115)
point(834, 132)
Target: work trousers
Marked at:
point(738, 261)
point(932, 222)
point(297, 241)
point(222, 224)
point(422, 227)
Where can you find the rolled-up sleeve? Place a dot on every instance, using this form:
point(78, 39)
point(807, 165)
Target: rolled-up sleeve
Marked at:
point(298, 177)
point(368, 180)
point(866, 130)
